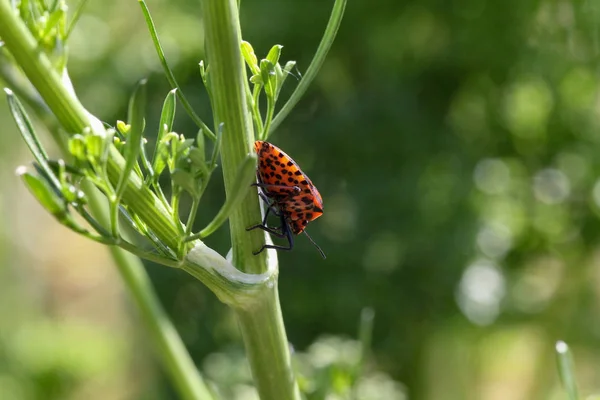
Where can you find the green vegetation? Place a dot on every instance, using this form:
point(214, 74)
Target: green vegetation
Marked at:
point(454, 144)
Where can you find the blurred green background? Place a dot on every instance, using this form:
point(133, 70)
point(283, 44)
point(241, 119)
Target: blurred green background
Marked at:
point(455, 144)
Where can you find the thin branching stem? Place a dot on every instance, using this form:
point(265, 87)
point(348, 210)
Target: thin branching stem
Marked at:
point(170, 76)
point(330, 32)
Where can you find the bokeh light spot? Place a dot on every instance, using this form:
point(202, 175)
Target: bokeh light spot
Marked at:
point(578, 89)
point(480, 291)
point(494, 240)
point(527, 106)
point(551, 186)
point(492, 176)
point(537, 284)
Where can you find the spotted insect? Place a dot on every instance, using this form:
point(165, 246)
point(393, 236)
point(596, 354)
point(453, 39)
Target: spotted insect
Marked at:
point(288, 193)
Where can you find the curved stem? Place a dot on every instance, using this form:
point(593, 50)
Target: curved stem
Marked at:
point(315, 65)
point(73, 117)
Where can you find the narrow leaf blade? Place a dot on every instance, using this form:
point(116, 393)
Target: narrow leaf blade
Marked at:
point(566, 369)
point(245, 175)
point(137, 105)
point(28, 133)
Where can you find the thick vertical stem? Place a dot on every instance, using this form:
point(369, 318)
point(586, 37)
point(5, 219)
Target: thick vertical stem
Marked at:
point(260, 320)
point(269, 355)
point(227, 77)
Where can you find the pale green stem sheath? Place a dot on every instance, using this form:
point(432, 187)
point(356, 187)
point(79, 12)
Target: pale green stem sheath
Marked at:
point(259, 316)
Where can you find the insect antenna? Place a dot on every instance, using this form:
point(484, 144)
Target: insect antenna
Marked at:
point(316, 245)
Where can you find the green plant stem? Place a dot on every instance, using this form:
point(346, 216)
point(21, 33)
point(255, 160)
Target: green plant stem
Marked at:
point(269, 356)
point(171, 349)
point(14, 78)
point(169, 74)
point(175, 358)
point(268, 118)
point(256, 109)
point(566, 370)
point(260, 318)
point(75, 119)
point(254, 297)
point(228, 87)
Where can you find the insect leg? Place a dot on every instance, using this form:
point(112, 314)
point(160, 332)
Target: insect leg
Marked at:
point(287, 233)
point(273, 231)
point(270, 207)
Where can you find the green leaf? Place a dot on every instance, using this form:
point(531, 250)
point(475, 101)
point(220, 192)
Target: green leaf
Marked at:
point(217, 147)
point(160, 158)
point(186, 181)
point(167, 116)
point(282, 74)
point(274, 54)
point(28, 133)
point(50, 199)
point(123, 128)
point(267, 74)
point(566, 369)
point(196, 157)
point(55, 18)
point(250, 57)
point(200, 145)
point(202, 73)
point(44, 194)
point(108, 141)
point(118, 143)
point(256, 79)
point(95, 146)
point(137, 105)
point(75, 18)
point(245, 176)
point(54, 165)
point(183, 146)
point(145, 162)
point(77, 147)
